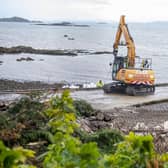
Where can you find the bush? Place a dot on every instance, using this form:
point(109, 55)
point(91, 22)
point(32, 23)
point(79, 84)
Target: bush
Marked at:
point(26, 105)
point(83, 108)
point(20, 119)
point(136, 151)
point(14, 158)
point(106, 139)
point(67, 151)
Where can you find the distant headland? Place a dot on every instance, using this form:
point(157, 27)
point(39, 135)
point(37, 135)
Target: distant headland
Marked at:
point(18, 19)
point(40, 23)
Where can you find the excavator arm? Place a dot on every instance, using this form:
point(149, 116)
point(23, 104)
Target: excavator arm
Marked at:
point(123, 29)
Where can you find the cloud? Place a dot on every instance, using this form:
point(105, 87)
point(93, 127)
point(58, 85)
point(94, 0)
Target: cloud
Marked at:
point(86, 9)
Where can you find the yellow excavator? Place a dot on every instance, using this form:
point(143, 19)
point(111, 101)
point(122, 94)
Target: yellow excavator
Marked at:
point(131, 74)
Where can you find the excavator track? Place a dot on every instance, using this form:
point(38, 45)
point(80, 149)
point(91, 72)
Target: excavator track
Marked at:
point(135, 90)
point(132, 90)
point(114, 87)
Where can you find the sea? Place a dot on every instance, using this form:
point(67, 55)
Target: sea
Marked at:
point(151, 41)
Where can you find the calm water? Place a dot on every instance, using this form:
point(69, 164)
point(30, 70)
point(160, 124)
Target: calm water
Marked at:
point(151, 40)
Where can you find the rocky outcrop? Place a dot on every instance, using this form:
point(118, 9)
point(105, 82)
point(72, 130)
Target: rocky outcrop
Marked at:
point(69, 24)
point(25, 59)
point(30, 50)
point(12, 85)
point(66, 52)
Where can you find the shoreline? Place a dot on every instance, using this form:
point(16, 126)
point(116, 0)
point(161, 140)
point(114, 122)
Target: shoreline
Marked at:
point(13, 85)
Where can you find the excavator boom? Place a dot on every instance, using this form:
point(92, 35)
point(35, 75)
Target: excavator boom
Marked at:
point(123, 29)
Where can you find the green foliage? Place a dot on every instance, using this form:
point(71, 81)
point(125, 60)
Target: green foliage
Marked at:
point(106, 139)
point(21, 118)
point(14, 158)
point(34, 135)
point(68, 151)
point(35, 94)
point(103, 149)
point(83, 108)
point(25, 105)
point(61, 114)
point(135, 151)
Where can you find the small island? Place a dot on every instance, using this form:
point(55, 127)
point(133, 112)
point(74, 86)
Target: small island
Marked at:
point(63, 24)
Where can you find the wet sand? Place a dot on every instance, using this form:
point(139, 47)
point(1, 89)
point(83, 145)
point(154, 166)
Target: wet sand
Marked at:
point(99, 100)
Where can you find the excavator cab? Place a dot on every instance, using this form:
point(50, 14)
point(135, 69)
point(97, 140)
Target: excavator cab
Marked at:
point(119, 63)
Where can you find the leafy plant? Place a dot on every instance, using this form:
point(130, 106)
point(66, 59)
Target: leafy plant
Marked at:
point(67, 151)
point(14, 158)
point(134, 152)
point(103, 149)
point(106, 139)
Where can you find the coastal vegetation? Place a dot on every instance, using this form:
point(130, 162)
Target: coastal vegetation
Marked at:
point(51, 137)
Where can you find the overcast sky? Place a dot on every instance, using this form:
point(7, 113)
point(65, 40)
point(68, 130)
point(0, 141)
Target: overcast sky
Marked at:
point(107, 10)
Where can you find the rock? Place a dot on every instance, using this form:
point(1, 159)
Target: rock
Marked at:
point(65, 35)
point(165, 125)
point(84, 125)
point(1, 62)
point(71, 38)
point(100, 116)
point(92, 118)
point(95, 125)
point(140, 126)
point(25, 59)
point(108, 117)
point(3, 106)
point(158, 127)
point(29, 59)
point(30, 50)
point(63, 24)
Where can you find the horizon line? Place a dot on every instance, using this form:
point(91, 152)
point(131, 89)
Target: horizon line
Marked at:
point(82, 20)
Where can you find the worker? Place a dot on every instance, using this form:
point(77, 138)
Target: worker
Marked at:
point(99, 84)
point(145, 63)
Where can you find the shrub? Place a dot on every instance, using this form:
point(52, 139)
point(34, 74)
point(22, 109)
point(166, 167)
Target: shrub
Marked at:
point(106, 139)
point(66, 150)
point(22, 118)
point(135, 151)
point(83, 108)
point(14, 158)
